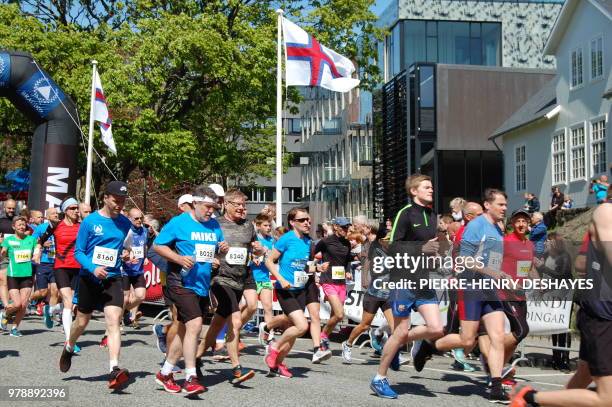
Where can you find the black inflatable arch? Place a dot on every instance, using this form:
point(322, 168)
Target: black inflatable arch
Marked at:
point(54, 146)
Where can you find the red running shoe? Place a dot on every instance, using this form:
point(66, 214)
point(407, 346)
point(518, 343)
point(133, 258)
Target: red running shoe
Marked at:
point(192, 386)
point(39, 308)
point(104, 342)
point(118, 378)
point(167, 382)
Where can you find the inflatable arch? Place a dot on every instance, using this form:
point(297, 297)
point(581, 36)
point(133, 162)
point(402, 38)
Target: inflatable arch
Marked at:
point(55, 141)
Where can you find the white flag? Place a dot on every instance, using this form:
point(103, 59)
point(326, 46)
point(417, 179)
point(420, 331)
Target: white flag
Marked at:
point(309, 63)
point(102, 116)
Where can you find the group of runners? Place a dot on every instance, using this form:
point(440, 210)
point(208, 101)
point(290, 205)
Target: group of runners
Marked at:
point(217, 265)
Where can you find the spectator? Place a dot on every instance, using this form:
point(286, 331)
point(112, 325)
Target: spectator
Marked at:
point(456, 206)
point(568, 203)
point(532, 204)
point(538, 233)
point(599, 187)
point(555, 205)
point(557, 265)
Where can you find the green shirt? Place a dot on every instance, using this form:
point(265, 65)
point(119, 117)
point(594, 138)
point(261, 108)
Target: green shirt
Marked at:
point(20, 255)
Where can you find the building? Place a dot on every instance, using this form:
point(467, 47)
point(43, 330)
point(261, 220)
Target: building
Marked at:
point(452, 70)
point(559, 138)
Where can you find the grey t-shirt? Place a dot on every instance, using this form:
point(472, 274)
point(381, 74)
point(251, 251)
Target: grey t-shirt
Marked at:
point(233, 269)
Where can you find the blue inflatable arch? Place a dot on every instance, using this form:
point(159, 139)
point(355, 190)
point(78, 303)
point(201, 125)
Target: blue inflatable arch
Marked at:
point(55, 141)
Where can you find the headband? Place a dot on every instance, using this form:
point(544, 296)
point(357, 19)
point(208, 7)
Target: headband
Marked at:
point(67, 203)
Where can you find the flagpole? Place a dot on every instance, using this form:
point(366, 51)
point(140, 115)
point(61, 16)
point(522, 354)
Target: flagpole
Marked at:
point(91, 130)
point(279, 121)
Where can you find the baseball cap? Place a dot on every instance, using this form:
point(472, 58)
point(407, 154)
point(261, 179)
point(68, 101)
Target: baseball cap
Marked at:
point(218, 189)
point(187, 198)
point(118, 188)
point(520, 212)
point(341, 221)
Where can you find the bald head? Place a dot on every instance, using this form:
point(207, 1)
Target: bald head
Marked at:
point(9, 208)
point(84, 210)
point(135, 216)
point(36, 217)
point(471, 210)
point(52, 215)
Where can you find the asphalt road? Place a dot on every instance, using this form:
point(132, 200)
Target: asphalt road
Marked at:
point(33, 360)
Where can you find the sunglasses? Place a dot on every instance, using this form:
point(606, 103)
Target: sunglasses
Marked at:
point(302, 220)
point(72, 208)
point(138, 218)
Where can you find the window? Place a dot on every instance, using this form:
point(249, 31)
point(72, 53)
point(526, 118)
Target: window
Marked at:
point(520, 168)
point(559, 158)
point(576, 68)
point(295, 194)
point(294, 126)
point(578, 153)
point(598, 146)
point(597, 58)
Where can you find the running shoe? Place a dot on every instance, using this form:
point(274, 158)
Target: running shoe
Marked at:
point(240, 375)
point(158, 330)
point(321, 355)
point(283, 371)
point(421, 351)
point(270, 358)
point(65, 360)
point(263, 335)
point(464, 367)
point(375, 340)
point(16, 333)
point(192, 386)
point(39, 308)
point(104, 342)
point(383, 389)
point(395, 362)
point(75, 348)
point(118, 378)
point(517, 397)
point(167, 382)
point(509, 382)
point(499, 396)
point(346, 352)
point(3, 321)
point(324, 344)
point(47, 316)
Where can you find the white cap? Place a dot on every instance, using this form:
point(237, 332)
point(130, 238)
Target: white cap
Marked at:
point(187, 198)
point(218, 190)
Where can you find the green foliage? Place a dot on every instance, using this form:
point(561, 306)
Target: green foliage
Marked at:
point(191, 84)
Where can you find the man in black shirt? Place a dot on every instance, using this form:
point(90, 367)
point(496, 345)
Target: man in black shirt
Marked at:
point(413, 234)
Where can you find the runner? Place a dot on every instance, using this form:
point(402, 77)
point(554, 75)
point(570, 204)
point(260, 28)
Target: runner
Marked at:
point(65, 268)
point(232, 279)
point(483, 242)
point(6, 229)
point(595, 326)
point(518, 263)
point(189, 243)
point(99, 244)
point(336, 256)
point(18, 249)
point(292, 252)
point(45, 278)
point(414, 233)
point(375, 297)
point(134, 279)
point(84, 210)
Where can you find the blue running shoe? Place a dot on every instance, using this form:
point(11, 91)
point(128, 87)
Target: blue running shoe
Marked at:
point(375, 341)
point(76, 349)
point(15, 332)
point(383, 389)
point(158, 330)
point(395, 363)
point(47, 316)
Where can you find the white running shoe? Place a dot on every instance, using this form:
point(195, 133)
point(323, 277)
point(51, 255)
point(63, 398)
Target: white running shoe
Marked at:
point(346, 352)
point(321, 355)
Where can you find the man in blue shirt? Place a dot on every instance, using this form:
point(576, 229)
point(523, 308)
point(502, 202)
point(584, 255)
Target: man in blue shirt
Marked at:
point(136, 244)
point(483, 244)
point(538, 233)
point(99, 247)
point(189, 242)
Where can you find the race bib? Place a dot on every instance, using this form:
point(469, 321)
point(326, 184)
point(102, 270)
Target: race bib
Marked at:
point(204, 253)
point(300, 278)
point(338, 273)
point(138, 252)
point(495, 260)
point(22, 256)
point(522, 268)
point(236, 256)
point(103, 256)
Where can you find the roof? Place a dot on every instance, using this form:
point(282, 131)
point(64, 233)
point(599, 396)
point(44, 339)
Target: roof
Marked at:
point(541, 103)
point(565, 16)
